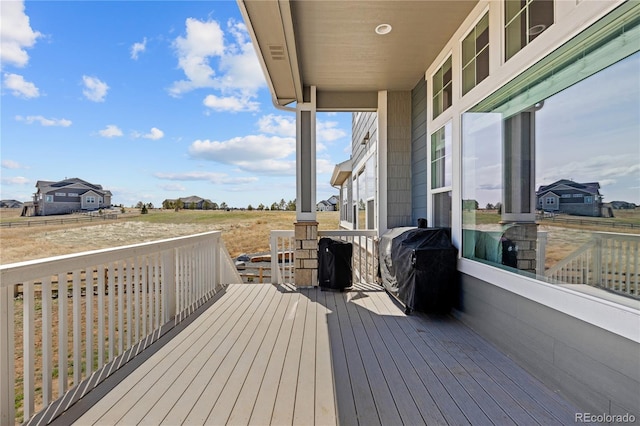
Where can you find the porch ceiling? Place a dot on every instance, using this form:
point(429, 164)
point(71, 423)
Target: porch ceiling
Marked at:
point(333, 45)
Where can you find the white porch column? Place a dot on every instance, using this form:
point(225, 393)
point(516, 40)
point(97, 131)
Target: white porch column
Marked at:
point(306, 226)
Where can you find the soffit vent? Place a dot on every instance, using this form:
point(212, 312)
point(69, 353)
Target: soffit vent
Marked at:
point(277, 52)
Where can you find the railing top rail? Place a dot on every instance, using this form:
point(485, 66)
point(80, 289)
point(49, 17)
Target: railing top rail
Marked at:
point(349, 232)
point(616, 235)
point(13, 273)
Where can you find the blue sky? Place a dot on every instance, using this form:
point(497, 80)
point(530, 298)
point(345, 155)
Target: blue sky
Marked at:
point(152, 100)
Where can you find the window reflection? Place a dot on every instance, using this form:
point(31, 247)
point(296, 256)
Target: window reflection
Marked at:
point(550, 183)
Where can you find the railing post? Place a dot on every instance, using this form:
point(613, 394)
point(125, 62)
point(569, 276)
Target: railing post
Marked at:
point(169, 284)
point(7, 391)
point(597, 259)
point(275, 271)
point(541, 254)
point(217, 270)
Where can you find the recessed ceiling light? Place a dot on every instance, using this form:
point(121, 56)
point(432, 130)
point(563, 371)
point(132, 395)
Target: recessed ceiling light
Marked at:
point(383, 29)
point(537, 29)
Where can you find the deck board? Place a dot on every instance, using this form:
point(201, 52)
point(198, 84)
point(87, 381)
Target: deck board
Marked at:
point(266, 354)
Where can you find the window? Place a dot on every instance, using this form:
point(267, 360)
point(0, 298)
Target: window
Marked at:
point(364, 192)
point(442, 88)
point(48, 198)
point(73, 194)
point(524, 21)
point(441, 172)
point(475, 55)
point(91, 200)
point(344, 208)
point(441, 175)
point(361, 201)
point(566, 111)
point(60, 194)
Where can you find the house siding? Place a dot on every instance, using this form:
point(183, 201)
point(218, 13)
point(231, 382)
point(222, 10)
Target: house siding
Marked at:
point(585, 363)
point(399, 159)
point(419, 151)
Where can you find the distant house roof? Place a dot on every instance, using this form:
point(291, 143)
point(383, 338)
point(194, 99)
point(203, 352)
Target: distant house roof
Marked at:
point(564, 186)
point(45, 186)
point(191, 199)
point(10, 204)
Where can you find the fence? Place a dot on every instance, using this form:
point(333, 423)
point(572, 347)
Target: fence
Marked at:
point(364, 262)
point(59, 221)
point(608, 261)
point(89, 313)
point(588, 222)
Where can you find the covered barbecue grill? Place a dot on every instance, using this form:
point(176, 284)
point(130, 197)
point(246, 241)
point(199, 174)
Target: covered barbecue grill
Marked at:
point(418, 267)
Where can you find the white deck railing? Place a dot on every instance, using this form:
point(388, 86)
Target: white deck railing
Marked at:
point(115, 302)
point(364, 261)
point(609, 260)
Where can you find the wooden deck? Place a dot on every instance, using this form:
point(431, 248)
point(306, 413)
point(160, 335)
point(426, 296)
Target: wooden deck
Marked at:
point(264, 354)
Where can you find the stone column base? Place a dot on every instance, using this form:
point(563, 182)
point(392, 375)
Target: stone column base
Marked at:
point(525, 236)
point(306, 257)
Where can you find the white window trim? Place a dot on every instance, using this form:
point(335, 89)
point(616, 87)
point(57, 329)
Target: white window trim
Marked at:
point(610, 316)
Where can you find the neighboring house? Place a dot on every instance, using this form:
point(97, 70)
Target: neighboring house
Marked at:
point(11, 204)
point(622, 205)
point(334, 200)
point(329, 205)
point(67, 196)
point(325, 206)
point(192, 202)
point(567, 196)
point(470, 100)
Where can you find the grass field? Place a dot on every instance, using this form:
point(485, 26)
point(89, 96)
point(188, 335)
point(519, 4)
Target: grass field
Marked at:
point(242, 231)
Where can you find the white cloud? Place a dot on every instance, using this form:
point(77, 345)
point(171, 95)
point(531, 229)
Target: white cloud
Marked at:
point(230, 103)
point(213, 177)
point(203, 40)
point(269, 166)
point(10, 164)
point(47, 122)
point(18, 180)
point(173, 187)
point(278, 125)
point(154, 134)
point(210, 61)
point(138, 48)
point(243, 149)
point(19, 86)
point(609, 169)
point(328, 131)
point(16, 34)
point(110, 131)
point(94, 89)
point(253, 153)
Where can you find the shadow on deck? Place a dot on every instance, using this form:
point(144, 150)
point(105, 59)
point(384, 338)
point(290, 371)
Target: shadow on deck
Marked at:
point(266, 354)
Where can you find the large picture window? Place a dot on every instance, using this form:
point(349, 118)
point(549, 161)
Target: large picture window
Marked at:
point(442, 88)
point(475, 55)
point(553, 150)
point(524, 21)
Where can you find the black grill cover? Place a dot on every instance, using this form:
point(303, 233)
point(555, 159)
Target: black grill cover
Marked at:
point(334, 264)
point(418, 267)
